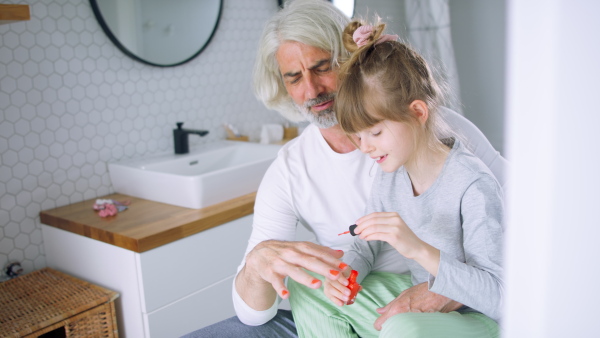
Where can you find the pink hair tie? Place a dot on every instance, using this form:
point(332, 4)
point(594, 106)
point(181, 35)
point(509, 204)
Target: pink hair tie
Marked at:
point(108, 207)
point(109, 210)
point(362, 34)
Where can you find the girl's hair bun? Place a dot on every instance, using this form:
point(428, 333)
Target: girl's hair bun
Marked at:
point(348, 36)
point(354, 37)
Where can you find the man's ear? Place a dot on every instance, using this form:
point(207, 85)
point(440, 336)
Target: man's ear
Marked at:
point(420, 110)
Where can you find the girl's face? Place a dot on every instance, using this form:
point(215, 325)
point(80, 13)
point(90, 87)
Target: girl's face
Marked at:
point(390, 143)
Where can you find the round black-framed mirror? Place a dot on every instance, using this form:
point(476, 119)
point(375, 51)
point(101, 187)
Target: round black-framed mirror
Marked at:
point(162, 33)
point(346, 6)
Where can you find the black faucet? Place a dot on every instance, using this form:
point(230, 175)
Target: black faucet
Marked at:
point(180, 138)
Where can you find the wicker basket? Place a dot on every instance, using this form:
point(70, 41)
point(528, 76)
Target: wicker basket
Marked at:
point(47, 300)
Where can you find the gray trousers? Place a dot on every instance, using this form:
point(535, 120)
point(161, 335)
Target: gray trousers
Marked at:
point(282, 325)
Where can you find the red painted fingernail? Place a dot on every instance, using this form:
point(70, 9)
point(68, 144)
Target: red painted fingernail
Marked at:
point(314, 281)
point(339, 250)
point(284, 292)
point(334, 272)
point(343, 265)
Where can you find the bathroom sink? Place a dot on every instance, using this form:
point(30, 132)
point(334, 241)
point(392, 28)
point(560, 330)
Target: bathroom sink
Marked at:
point(208, 175)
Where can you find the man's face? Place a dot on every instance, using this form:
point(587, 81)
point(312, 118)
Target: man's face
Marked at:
point(310, 81)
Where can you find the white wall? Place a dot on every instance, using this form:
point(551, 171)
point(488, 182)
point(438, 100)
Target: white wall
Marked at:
point(552, 246)
point(478, 35)
point(392, 12)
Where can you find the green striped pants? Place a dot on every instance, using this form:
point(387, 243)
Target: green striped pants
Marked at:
point(316, 316)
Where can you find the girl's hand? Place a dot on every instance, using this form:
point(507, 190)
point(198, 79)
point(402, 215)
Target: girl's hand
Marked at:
point(337, 290)
point(391, 228)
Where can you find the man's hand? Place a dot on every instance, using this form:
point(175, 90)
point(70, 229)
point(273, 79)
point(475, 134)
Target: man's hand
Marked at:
point(271, 261)
point(416, 299)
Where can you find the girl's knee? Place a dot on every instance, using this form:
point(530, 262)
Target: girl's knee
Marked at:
point(410, 324)
point(305, 299)
point(453, 324)
point(399, 326)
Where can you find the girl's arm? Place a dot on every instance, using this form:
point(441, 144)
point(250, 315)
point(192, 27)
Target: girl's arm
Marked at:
point(477, 282)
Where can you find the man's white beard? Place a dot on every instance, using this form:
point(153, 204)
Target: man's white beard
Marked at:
point(322, 119)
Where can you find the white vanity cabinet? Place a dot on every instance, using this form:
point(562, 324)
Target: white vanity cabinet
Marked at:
point(167, 291)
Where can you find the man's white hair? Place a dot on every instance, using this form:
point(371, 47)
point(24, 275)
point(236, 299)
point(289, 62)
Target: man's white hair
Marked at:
point(315, 23)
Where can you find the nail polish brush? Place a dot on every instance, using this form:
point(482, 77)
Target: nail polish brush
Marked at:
point(350, 231)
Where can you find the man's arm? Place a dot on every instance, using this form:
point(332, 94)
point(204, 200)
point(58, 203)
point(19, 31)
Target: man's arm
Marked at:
point(272, 253)
point(477, 143)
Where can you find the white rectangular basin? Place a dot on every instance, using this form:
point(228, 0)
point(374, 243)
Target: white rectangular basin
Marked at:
point(208, 175)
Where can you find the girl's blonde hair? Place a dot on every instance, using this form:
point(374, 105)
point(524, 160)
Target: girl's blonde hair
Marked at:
point(379, 82)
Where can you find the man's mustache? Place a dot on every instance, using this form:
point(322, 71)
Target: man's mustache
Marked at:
point(318, 100)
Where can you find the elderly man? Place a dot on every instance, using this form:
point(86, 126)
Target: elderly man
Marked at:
point(319, 180)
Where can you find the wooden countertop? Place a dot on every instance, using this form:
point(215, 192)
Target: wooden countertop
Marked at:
point(145, 225)
point(14, 13)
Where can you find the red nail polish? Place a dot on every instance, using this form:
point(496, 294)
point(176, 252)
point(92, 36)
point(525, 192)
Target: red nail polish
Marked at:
point(353, 286)
point(314, 281)
point(334, 272)
point(284, 292)
point(353, 275)
point(343, 265)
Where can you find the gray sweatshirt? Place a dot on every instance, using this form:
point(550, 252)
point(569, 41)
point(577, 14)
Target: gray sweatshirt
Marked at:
point(461, 215)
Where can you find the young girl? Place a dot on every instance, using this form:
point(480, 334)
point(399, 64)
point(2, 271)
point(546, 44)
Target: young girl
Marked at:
point(433, 202)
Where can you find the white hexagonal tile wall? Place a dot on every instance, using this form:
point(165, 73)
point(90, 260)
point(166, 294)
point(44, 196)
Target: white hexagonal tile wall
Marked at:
point(71, 102)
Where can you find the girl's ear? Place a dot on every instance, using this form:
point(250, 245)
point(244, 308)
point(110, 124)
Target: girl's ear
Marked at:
point(420, 110)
